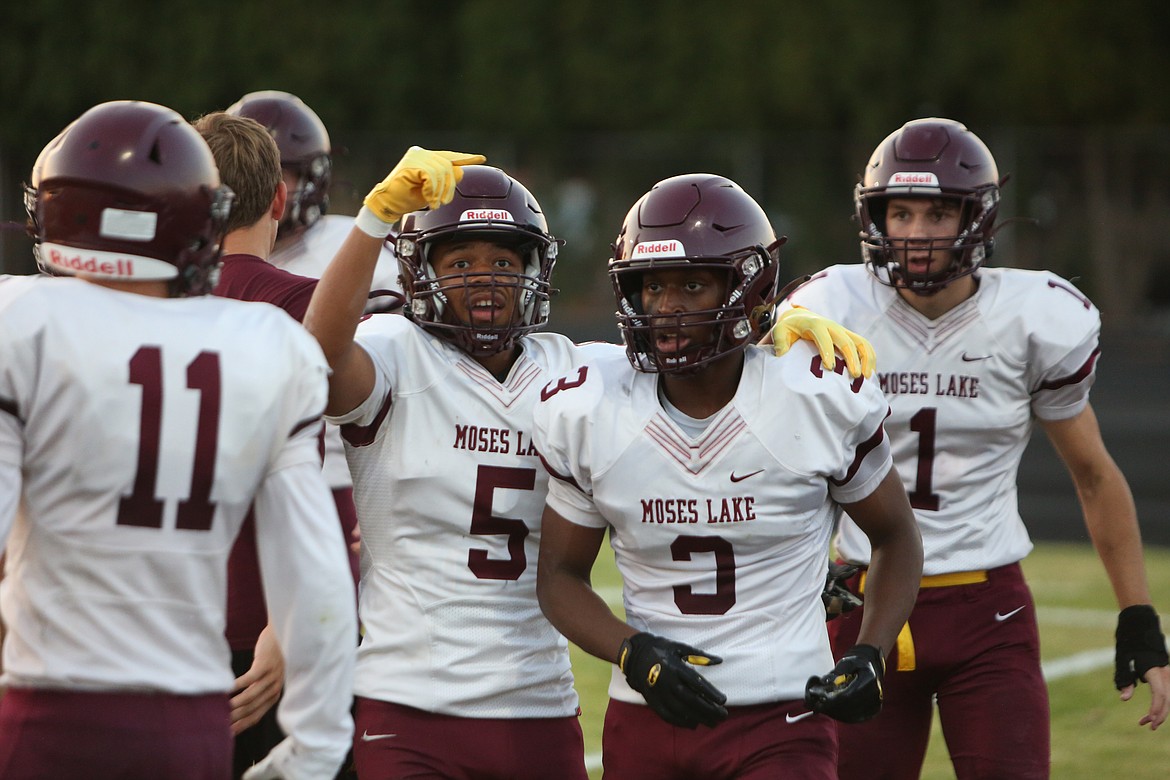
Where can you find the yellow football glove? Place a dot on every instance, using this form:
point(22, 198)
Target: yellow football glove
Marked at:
point(422, 178)
point(799, 323)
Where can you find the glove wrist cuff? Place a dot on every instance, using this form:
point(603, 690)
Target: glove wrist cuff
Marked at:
point(371, 224)
point(1138, 628)
point(871, 654)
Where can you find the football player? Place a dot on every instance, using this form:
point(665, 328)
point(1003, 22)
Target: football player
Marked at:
point(459, 672)
point(309, 234)
point(972, 357)
point(139, 420)
point(718, 473)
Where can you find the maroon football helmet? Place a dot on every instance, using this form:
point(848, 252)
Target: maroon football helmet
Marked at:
point(695, 220)
point(304, 149)
point(488, 205)
point(129, 191)
point(930, 158)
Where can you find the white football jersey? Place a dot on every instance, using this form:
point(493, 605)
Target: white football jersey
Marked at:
point(963, 391)
point(308, 254)
point(144, 428)
point(449, 492)
point(722, 540)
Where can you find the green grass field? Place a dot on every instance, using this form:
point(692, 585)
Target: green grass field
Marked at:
point(1094, 734)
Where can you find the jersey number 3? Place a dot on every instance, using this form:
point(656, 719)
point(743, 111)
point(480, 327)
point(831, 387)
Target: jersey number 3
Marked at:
point(142, 507)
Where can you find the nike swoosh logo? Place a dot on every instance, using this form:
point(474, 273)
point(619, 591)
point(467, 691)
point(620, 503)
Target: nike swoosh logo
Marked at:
point(368, 737)
point(735, 478)
point(968, 359)
point(794, 718)
point(1002, 616)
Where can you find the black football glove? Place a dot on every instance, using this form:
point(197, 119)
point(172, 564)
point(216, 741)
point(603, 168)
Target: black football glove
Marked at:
point(852, 692)
point(1140, 645)
point(660, 670)
point(837, 598)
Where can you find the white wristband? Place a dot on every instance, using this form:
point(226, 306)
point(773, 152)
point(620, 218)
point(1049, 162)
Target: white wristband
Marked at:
point(371, 224)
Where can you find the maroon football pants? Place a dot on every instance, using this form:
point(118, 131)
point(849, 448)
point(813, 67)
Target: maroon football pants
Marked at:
point(776, 741)
point(977, 649)
point(392, 740)
point(114, 736)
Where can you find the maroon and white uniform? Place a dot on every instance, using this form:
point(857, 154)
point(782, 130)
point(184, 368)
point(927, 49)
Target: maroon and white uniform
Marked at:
point(136, 432)
point(449, 492)
point(720, 528)
point(964, 392)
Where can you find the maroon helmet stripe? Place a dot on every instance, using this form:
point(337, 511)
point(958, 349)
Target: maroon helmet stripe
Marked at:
point(1077, 376)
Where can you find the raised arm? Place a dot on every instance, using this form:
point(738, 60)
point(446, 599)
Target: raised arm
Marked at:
point(422, 178)
point(1111, 519)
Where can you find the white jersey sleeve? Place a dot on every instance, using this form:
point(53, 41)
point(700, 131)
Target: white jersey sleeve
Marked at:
point(721, 540)
point(964, 390)
point(308, 583)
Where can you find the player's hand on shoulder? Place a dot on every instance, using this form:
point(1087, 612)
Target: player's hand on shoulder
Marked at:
point(799, 323)
point(662, 670)
point(852, 691)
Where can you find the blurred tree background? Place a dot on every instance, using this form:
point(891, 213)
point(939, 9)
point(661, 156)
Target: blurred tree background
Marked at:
point(590, 103)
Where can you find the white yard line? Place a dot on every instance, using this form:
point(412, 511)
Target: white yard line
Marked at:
point(1078, 663)
point(592, 761)
point(1077, 618)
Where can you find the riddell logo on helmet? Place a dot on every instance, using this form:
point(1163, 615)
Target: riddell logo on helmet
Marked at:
point(671, 248)
point(123, 268)
point(925, 179)
point(496, 214)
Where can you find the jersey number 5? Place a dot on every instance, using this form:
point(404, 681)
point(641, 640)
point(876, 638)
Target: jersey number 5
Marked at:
point(488, 479)
point(142, 507)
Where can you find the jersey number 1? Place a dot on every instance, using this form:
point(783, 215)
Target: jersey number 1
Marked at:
point(142, 507)
point(923, 423)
